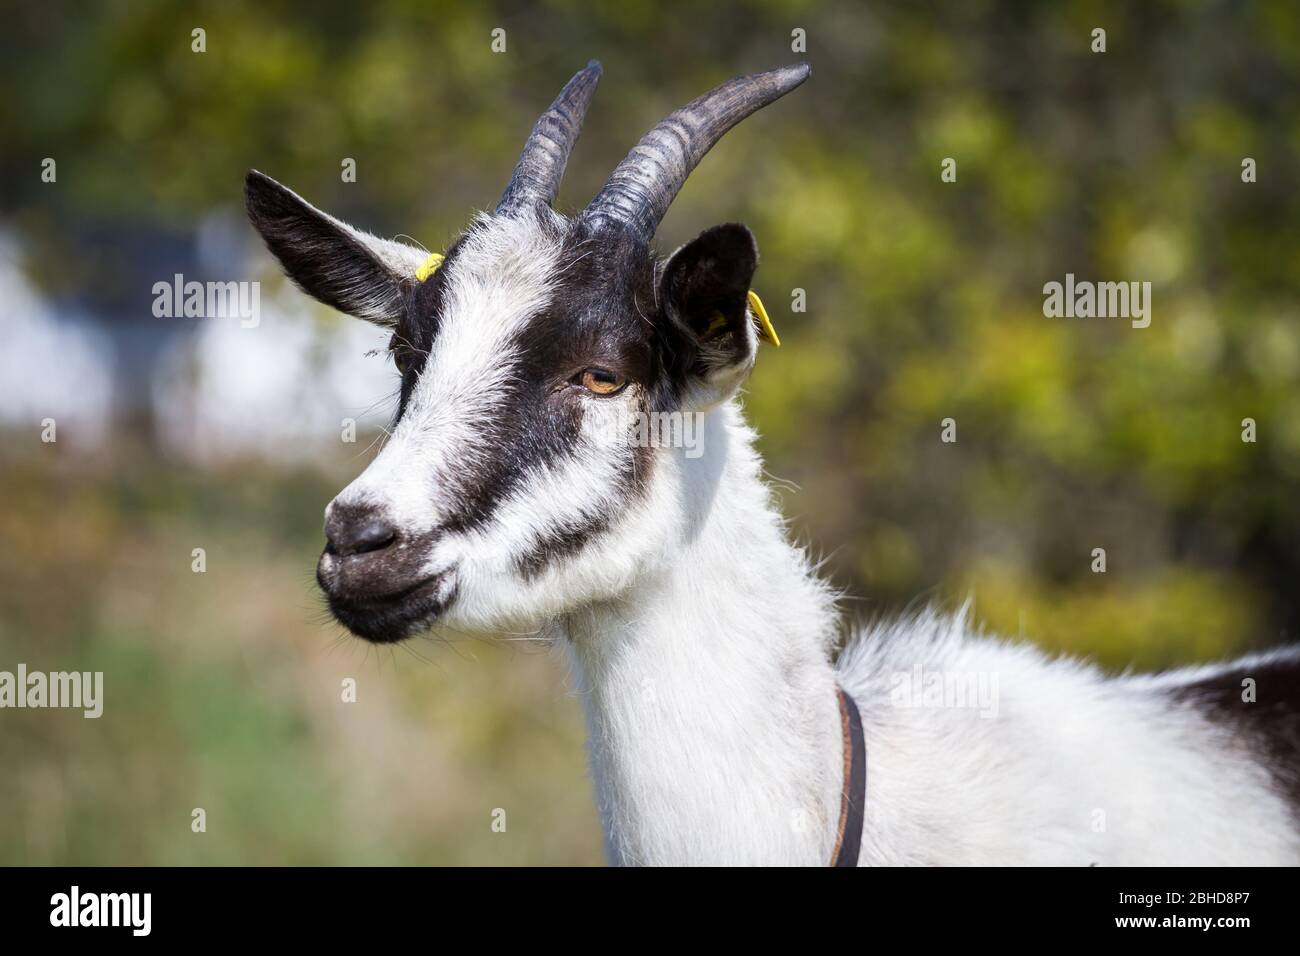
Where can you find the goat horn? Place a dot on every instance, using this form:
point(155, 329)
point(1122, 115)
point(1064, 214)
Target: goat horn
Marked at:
point(536, 178)
point(645, 183)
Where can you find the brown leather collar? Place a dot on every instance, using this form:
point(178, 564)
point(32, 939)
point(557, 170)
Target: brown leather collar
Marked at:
point(853, 798)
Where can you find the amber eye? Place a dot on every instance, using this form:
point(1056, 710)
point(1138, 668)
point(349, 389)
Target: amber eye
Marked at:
point(601, 381)
point(402, 359)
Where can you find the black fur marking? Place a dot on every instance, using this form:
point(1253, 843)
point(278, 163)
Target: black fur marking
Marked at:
point(418, 326)
point(1271, 723)
point(560, 543)
point(605, 312)
point(602, 314)
point(570, 538)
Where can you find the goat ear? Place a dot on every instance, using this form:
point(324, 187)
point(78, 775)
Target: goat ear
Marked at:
point(704, 289)
point(343, 267)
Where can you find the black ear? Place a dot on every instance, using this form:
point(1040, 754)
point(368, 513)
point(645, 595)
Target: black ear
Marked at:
point(343, 267)
point(704, 291)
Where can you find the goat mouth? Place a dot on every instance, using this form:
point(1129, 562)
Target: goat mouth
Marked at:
point(389, 618)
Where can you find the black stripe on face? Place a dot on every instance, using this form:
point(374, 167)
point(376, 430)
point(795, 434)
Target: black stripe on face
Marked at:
point(564, 541)
point(1270, 724)
point(528, 431)
point(594, 319)
point(570, 537)
point(414, 335)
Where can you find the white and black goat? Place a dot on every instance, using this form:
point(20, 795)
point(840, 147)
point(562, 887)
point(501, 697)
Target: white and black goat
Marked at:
point(703, 639)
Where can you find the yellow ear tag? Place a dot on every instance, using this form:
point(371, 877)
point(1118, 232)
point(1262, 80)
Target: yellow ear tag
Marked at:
point(429, 266)
point(766, 330)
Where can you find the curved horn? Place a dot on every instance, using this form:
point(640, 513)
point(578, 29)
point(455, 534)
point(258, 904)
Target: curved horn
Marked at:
point(536, 178)
point(644, 184)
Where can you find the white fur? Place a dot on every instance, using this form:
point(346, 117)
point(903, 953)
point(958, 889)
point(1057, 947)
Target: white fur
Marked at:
point(1075, 768)
point(702, 643)
point(709, 692)
point(714, 731)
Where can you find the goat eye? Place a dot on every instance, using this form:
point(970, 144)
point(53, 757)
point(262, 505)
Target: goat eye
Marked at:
point(601, 381)
point(402, 359)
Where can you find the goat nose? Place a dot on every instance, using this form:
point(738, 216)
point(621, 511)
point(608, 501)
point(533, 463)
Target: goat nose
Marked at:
point(357, 531)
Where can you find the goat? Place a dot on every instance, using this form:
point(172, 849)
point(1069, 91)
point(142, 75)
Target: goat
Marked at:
point(703, 640)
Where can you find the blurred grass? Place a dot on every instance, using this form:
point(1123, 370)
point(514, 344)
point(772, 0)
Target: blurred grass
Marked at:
point(223, 691)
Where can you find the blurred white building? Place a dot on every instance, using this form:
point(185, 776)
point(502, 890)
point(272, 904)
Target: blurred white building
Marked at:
point(282, 389)
point(52, 365)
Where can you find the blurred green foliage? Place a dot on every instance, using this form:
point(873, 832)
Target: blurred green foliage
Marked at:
point(924, 303)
